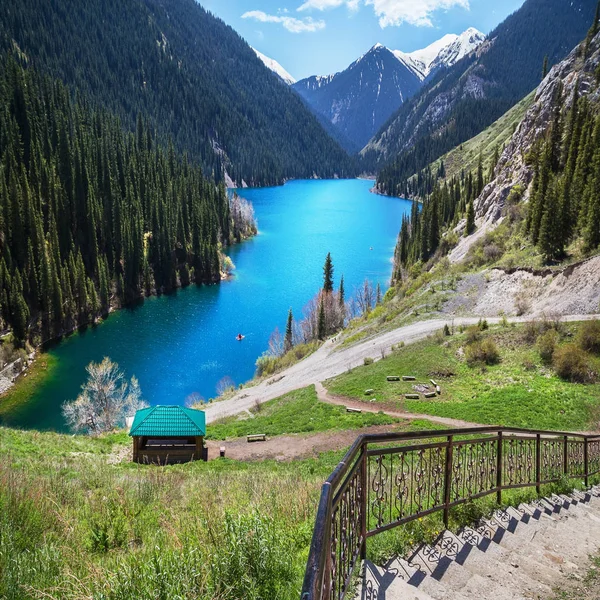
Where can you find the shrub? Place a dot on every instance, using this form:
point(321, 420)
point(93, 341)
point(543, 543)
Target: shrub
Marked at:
point(368, 361)
point(546, 344)
point(571, 363)
point(446, 330)
point(482, 352)
point(473, 334)
point(521, 304)
point(589, 337)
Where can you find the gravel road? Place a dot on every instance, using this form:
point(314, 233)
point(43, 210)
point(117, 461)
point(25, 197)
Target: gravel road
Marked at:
point(330, 361)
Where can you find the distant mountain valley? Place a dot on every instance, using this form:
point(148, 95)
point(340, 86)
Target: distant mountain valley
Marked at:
point(359, 100)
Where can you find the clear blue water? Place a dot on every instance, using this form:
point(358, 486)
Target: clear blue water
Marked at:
point(184, 343)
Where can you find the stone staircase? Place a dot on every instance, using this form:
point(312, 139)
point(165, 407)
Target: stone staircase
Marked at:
point(518, 553)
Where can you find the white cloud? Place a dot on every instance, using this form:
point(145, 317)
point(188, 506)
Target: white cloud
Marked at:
point(292, 24)
point(327, 4)
point(413, 12)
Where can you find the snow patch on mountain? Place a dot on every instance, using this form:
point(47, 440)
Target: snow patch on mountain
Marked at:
point(274, 66)
point(445, 52)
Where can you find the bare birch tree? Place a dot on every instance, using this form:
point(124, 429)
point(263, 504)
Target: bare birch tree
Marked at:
point(106, 399)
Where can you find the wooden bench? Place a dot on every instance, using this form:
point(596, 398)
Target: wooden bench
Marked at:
point(257, 437)
point(412, 396)
point(393, 377)
point(353, 410)
point(408, 378)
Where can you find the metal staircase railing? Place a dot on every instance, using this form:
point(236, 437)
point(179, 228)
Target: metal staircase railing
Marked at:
point(388, 480)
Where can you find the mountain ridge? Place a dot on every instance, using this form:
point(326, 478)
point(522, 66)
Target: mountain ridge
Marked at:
point(458, 103)
point(362, 97)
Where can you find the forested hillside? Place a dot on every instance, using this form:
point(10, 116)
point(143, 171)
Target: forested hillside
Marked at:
point(191, 76)
point(461, 102)
point(91, 216)
point(552, 160)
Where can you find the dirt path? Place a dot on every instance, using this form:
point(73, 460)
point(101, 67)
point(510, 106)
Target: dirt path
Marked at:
point(290, 447)
point(325, 396)
point(332, 360)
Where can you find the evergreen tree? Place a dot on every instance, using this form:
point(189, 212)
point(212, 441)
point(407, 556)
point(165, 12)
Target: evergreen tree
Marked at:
point(545, 67)
point(321, 325)
point(470, 228)
point(288, 343)
point(328, 274)
point(342, 293)
point(378, 298)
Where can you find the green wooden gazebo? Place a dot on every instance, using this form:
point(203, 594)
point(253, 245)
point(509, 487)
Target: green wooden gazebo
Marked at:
point(168, 434)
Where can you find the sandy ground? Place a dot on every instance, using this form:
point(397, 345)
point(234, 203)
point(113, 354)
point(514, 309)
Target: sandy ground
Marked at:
point(331, 360)
point(290, 447)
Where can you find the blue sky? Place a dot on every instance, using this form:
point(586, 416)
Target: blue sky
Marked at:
point(318, 37)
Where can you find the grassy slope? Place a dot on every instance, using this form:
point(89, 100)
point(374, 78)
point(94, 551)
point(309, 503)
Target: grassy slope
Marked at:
point(77, 523)
point(520, 391)
point(466, 156)
point(297, 412)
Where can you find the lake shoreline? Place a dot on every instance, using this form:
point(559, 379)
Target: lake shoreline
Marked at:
point(9, 385)
point(183, 343)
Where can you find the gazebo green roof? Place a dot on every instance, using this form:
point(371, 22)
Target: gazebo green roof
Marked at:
point(168, 421)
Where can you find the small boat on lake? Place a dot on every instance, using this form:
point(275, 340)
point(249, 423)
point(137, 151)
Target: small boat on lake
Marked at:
point(239, 337)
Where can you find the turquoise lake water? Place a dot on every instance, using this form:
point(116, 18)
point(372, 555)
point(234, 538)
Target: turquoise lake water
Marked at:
point(185, 342)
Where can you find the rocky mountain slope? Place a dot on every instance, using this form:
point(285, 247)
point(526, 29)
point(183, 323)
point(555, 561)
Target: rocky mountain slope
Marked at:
point(576, 74)
point(360, 99)
point(459, 103)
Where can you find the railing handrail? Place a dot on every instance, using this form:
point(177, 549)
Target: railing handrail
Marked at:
point(314, 579)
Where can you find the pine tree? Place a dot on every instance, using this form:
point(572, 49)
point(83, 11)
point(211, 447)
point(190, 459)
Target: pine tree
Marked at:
point(288, 343)
point(378, 298)
point(342, 293)
point(328, 274)
point(545, 67)
point(321, 326)
point(470, 228)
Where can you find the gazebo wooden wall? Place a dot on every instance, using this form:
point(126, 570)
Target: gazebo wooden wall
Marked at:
point(168, 450)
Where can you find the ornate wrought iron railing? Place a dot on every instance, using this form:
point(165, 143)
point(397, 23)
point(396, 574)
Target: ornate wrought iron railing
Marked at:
point(388, 480)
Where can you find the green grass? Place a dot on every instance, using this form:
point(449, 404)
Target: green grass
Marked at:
point(297, 412)
point(520, 391)
point(26, 385)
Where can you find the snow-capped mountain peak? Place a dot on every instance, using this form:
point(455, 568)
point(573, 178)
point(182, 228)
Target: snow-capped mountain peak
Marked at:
point(275, 67)
point(445, 52)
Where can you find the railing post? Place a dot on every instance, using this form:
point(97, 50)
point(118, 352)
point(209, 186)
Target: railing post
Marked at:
point(364, 495)
point(538, 463)
point(448, 481)
point(586, 463)
point(566, 456)
point(499, 469)
point(326, 582)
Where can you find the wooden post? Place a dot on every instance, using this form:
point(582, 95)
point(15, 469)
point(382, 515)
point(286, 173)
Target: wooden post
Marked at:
point(538, 463)
point(136, 448)
point(364, 495)
point(586, 463)
point(499, 469)
point(566, 455)
point(448, 481)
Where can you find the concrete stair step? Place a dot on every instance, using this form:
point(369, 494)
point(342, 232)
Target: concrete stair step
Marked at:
point(454, 576)
point(485, 550)
point(518, 553)
point(414, 575)
point(505, 569)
